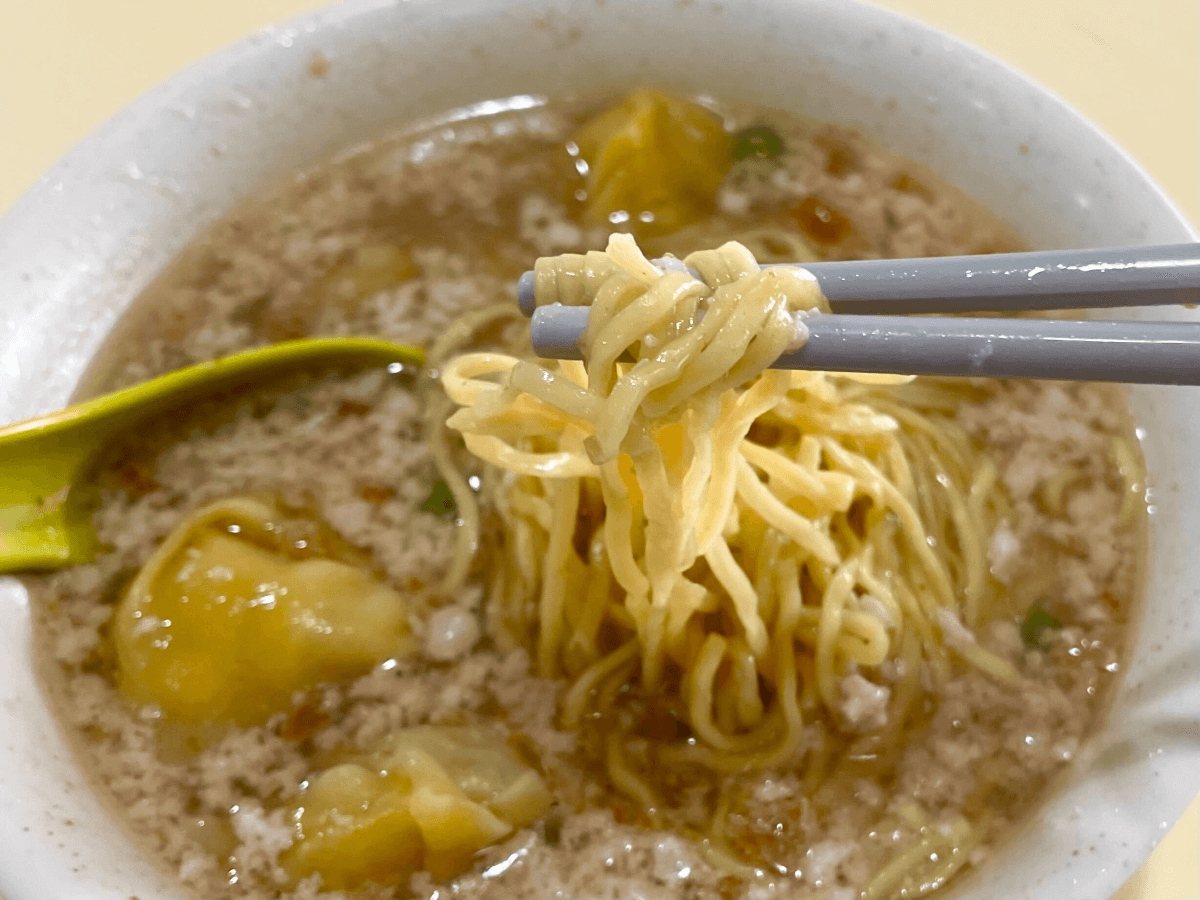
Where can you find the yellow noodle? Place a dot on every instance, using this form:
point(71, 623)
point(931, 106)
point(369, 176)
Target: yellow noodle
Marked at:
point(746, 538)
point(625, 779)
point(912, 871)
point(575, 701)
point(437, 406)
point(1129, 464)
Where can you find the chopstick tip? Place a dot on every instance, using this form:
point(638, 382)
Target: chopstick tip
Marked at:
point(525, 297)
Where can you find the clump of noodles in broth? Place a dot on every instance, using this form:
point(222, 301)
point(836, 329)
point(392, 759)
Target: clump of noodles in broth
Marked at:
point(747, 534)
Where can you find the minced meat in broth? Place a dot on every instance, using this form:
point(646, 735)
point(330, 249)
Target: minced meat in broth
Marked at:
point(397, 241)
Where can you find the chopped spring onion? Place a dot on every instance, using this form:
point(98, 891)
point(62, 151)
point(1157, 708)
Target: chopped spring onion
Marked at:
point(440, 501)
point(1037, 621)
point(757, 141)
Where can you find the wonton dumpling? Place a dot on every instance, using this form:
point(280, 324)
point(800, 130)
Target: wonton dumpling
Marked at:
point(467, 791)
point(220, 628)
point(656, 156)
point(461, 789)
point(354, 827)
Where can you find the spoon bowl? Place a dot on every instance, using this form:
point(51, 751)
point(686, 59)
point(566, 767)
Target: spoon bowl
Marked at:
point(43, 460)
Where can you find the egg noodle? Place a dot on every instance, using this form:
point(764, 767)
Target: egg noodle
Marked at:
point(680, 518)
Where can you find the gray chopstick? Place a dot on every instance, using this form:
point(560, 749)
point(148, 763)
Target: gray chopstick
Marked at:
point(1054, 279)
point(1133, 352)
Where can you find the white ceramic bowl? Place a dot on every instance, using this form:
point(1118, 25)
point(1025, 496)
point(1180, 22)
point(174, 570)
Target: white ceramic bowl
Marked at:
point(95, 230)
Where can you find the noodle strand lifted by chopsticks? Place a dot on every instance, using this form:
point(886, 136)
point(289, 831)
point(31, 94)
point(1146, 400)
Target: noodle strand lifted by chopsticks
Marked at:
point(679, 517)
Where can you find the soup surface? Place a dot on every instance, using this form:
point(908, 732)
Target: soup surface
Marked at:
point(268, 680)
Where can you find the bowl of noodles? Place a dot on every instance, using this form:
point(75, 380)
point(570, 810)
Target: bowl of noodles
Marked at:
point(657, 622)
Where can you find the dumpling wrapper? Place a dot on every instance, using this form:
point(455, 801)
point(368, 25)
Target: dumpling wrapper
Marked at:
point(462, 791)
point(354, 827)
point(219, 629)
point(653, 156)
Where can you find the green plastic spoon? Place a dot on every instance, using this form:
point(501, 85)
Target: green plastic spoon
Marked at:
point(42, 459)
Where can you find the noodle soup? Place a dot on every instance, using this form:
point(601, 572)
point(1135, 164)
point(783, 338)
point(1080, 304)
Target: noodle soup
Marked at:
point(314, 657)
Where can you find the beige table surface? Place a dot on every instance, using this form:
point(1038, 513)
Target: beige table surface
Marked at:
point(1132, 66)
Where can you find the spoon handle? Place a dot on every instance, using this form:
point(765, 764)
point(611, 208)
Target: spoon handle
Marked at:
point(42, 526)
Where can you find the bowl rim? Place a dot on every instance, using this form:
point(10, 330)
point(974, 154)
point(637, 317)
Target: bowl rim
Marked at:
point(198, 78)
